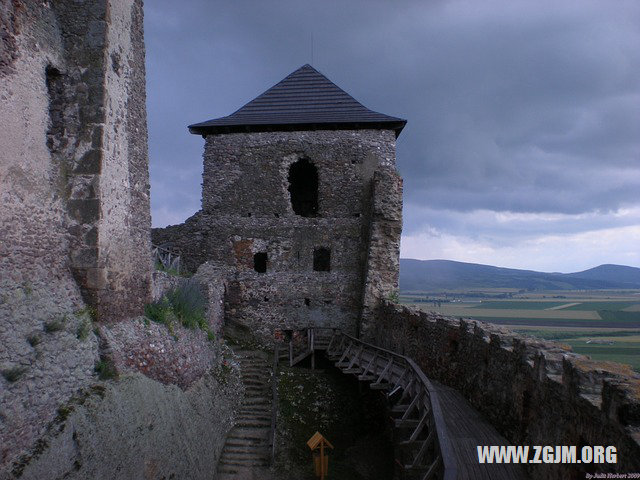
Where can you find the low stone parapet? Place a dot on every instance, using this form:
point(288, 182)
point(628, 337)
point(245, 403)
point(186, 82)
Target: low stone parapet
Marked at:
point(534, 392)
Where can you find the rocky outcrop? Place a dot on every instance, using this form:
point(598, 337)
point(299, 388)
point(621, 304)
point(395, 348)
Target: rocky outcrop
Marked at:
point(137, 428)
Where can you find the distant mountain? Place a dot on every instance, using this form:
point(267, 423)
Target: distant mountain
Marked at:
point(434, 275)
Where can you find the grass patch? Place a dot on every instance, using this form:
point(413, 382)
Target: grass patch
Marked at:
point(562, 322)
point(91, 312)
point(564, 335)
point(602, 305)
point(55, 325)
point(619, 316)
point(84, 328)
point(622, 352)
point(33, 339)
point(13, 374)
point(186, 303)
point(518, 305)
point(105, 369)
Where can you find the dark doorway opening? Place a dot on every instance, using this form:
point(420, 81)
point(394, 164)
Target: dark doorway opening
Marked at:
point(303, 187)
point(322, 259)
point(260, 262)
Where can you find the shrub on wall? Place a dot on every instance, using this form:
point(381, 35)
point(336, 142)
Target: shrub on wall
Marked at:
point(184, 303)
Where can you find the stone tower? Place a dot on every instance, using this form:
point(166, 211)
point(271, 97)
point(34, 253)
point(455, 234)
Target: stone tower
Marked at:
point(301, 208)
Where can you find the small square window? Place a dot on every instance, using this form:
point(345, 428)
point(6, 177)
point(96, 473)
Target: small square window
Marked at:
point(260, 262)
point(322, 259)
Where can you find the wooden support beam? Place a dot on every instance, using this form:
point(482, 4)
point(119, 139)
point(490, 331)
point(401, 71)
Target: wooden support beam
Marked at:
point(386, 369)
point(380, 386)
point(346, 352)
point(406, 423)
point(423, 449)
point(356, 357)
point(371, 362)
point(432, 469)
point(421, 425)
point(352, 371)
point(406, 393)
point(404, 372)
point(412, 405)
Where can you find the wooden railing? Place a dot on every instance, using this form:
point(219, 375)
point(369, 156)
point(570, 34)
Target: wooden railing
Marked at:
point(424, 445)
point(165, 257)
point(312, 340)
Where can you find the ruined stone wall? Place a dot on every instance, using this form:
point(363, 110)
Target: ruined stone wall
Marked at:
point(124, 239)
point(383, 259)
point(74, 169)
point(74, 222)
point(246, 209)
point(534, 392)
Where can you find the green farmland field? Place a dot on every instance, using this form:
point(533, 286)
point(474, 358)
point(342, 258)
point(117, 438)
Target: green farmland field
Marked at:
point(602, 325)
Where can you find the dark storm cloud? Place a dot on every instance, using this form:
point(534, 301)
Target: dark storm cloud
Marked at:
point(512, 106)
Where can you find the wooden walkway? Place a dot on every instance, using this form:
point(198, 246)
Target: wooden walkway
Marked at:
point(468, 429)
point(437, 430)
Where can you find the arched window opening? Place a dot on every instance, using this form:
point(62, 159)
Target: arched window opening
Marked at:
point(322, 259)
point(260, 262)
point(303, 187)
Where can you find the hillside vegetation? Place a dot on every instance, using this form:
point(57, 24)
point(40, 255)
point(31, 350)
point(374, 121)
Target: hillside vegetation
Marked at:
point(439, 275)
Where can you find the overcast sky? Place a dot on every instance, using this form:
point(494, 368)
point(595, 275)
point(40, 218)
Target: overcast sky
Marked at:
point(522, 147)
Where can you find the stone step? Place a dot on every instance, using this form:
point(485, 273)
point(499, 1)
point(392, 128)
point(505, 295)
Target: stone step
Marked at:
point(253, 394)
point(249, 382)
point(262, 449)
point(262, 418)
point(256, 401)
point(266, 413)
point(254, 444)
point(244, 456)
point(249, 434)
point(254, 423)
point(244, 462)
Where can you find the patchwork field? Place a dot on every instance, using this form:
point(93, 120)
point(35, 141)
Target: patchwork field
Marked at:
point(604, 325)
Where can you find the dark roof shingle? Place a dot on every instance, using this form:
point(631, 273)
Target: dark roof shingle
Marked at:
point(304, 100)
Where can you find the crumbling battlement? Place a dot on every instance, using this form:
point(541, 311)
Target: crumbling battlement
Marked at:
point(534, 392)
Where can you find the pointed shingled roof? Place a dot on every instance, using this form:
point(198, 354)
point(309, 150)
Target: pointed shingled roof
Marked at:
point(304, 100)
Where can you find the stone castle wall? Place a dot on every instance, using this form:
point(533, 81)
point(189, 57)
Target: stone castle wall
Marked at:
point(534, 392)
point(73, 165)
point(246, 209)
point(74, 222)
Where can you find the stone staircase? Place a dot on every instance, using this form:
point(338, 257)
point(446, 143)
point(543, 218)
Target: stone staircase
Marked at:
point(247, 451)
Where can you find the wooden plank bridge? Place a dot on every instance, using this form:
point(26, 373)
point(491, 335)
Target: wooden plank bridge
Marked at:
point(436, 429)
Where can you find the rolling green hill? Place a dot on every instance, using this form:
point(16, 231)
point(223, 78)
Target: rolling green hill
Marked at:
point(437, 275)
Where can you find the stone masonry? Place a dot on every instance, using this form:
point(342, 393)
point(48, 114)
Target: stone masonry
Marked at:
point(533, 391)
point(247, 210)
point(74, 168)
point(74, 196)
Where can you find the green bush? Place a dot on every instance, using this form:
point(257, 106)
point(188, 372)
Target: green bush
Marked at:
point(158, 311)
point(186, 303)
